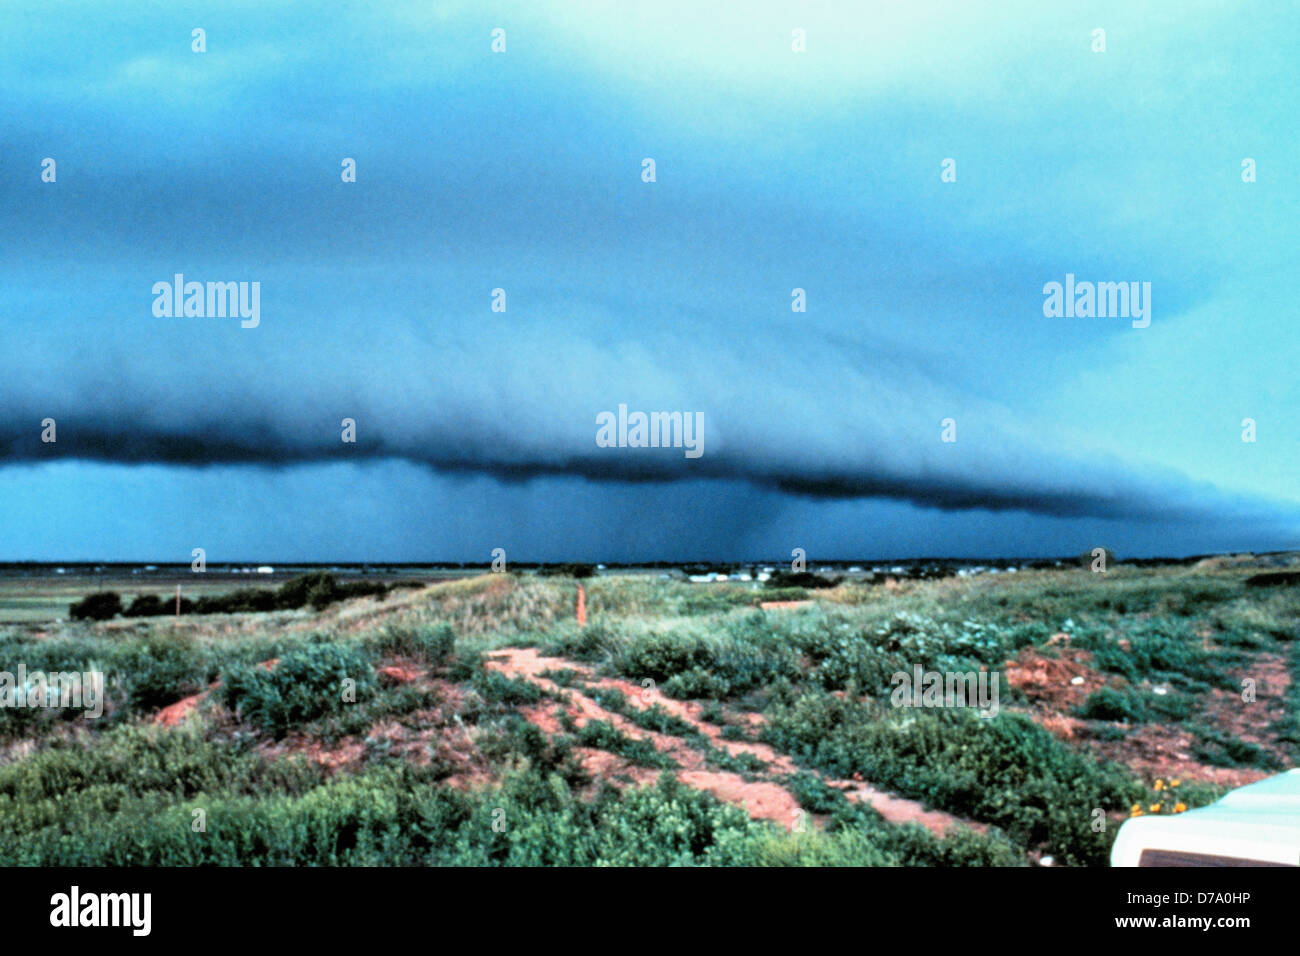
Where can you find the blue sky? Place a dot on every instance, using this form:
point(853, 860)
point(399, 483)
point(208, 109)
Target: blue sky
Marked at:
point(775, 170)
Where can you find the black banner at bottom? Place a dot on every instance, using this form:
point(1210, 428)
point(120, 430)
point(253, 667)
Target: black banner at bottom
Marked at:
point(338, 906)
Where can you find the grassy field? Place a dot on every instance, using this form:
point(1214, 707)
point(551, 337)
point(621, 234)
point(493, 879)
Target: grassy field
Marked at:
point(477, 722)
point(29, 598)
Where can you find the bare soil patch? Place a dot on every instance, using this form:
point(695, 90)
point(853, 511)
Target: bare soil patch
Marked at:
point(761, 797)
point(1056, 686)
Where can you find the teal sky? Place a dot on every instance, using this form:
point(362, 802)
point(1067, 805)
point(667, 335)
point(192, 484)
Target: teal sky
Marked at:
point(521, 170)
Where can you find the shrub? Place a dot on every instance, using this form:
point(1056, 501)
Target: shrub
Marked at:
point(1221, 750)
point(1110, 704)
point(1133, 706)
point(305, 684)
point(497, 688)
point(571, 570)
point(659, 655)
point(1273, 579)
point(800, 579)
point(242, 601)
point(696, 683)
point(422, 640)
point(156, 670)
point(100, 606)
point(147, 605)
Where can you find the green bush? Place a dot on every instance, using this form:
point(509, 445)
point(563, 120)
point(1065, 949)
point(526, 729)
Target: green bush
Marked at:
point(1221, 750)
point(100, 606)
point(432, 643)
point(1110, 704)
point(496, 688)
point(605, 736)
point(158, 670)
point(1131, 705)
point(1006, 770)
point(662, 655)
point(147, 605)
point(305, 684)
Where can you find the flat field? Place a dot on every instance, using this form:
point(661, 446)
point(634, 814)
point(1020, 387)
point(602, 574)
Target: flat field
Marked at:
point(34, 597)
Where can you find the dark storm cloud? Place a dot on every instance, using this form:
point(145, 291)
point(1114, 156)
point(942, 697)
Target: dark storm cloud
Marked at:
point(525, 406)
point(522, 171)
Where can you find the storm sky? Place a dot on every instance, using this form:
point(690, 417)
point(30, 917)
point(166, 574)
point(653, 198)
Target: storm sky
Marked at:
point(774, 170)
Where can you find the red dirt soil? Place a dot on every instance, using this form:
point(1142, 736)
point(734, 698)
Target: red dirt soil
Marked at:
point(173, 714)
point(396, 674)
point(1152, 750)
point(761, 799)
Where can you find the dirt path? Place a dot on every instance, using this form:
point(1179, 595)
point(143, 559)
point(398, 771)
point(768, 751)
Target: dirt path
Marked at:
point(762, 798)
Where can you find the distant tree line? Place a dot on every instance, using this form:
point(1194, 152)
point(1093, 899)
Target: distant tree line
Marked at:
point(571, 570)
point(319, 589)
point(800, 579)
point(1273, 579)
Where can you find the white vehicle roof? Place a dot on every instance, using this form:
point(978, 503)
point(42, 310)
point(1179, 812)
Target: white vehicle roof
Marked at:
point(1255, 825)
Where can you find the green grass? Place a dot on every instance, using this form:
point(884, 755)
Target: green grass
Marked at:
point(119, 792)
point(1007, 770)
